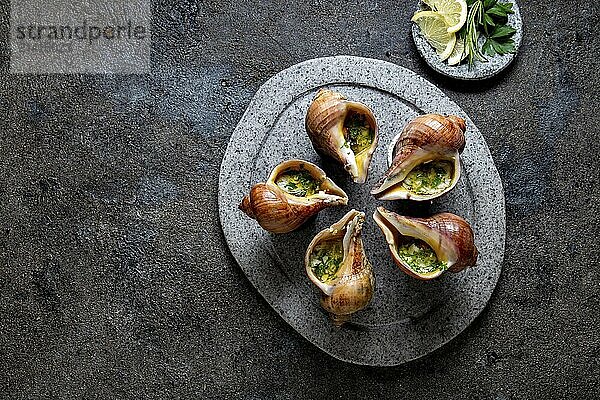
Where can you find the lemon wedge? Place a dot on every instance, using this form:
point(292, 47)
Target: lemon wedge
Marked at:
point(434, 28)
point(454, 12)
point(458, 53)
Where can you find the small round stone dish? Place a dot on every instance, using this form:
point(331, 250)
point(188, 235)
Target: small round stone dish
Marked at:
point(480, 70)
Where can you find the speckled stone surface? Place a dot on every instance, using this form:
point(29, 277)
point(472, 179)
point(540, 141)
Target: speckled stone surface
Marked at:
point(407, 318)
point(480, 70)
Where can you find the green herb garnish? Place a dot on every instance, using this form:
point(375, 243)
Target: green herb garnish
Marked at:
point(420, 257)
point(358, 132)
point(429, 178)
point(326, 259)
point(298, 183)
point(487, 18)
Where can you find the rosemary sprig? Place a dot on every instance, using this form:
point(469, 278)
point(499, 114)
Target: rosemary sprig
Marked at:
point(471, 33)
point(487, 18)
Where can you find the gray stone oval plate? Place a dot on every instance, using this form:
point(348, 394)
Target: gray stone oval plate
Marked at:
point(407, 318)
point(480, 70)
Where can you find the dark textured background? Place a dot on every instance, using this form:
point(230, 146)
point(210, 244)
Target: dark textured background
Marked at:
point(115, 280)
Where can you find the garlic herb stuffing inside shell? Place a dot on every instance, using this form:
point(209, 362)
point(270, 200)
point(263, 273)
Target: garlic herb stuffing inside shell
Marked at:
point(358, 132)
point(299, 183)
point(326, 258)
point(420, 256)
point(429, 178)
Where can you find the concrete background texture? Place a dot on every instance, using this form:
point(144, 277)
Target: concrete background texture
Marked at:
point(115, 280)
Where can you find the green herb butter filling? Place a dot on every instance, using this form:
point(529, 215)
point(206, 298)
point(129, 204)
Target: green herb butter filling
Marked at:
point(420, 257)
point(326, 259)
point(431, 177)
point(358, 132)
point(298, 183)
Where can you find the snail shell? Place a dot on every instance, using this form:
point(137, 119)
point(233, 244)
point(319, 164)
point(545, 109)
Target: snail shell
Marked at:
point(328, 123)
point(429, 139)
point(280, 211)
point(352, 287)
point(448, 235)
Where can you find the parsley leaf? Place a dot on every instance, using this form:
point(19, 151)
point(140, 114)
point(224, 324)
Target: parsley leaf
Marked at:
point(502, 31)
point(499, 41)
point(492, 47)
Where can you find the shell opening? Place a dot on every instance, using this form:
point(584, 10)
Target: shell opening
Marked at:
point(305, 181)
point(298, 182)
point(422, 179)
point(419, 256)
point(327, 255)
point(359, 131)
point(326, 259)
point(359, 128)
point(429, 178)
